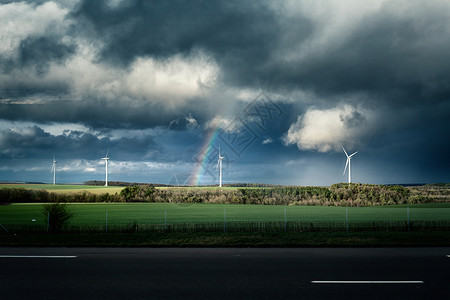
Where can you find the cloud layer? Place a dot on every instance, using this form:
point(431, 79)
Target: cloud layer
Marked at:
point(372, 75)
point(326, 130)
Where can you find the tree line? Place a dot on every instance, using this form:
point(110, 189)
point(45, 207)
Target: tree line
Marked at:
point(352, 195)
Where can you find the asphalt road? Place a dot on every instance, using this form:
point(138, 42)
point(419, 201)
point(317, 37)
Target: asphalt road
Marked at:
point(188, 273)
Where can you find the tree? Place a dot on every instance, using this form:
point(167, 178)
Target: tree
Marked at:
point(58, 215)
point(130, 192)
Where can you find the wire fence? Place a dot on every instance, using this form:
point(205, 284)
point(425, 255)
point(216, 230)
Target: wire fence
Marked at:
point(162, 219)
point(243, 227)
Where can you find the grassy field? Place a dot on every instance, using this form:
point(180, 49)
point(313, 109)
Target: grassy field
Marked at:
point(73, 188)
point(67, 188)
point(154, 213)
point(202, 225)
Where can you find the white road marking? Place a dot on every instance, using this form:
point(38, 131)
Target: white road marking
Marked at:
point(38, 256)
point(367, 281)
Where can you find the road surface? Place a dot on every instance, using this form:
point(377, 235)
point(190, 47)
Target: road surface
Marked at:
point(224, 273)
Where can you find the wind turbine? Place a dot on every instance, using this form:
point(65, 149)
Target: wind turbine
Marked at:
point(349, 158)
point(219, 165)
point(54, 170)
point(106, 158)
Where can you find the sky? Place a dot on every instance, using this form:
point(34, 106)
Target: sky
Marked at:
point(278, 86)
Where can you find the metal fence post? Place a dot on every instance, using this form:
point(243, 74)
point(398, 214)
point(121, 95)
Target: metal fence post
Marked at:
point(106, 222)
point(285, 220)
point(407, 213)
point(346, 218)
point(165, 220)
point(225, 220)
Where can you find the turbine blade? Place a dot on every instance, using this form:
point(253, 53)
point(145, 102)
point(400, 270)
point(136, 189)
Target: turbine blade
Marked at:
point(353, 154)
point(187, 180)
point(344, 150)
point(346, 164)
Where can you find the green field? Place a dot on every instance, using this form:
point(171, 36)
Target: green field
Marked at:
point(73, 188)
point(154, 213)
point(67, 188)
point(151, 217)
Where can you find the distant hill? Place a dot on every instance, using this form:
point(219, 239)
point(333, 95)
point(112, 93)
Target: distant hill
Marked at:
point(20, 182)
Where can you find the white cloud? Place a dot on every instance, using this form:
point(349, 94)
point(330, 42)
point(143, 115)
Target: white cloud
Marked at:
point(173, 80)
point(35, 169)
point(325, 130)
point(21, 20)
point(169, 82)
point(54, 129)
point(223, 123)
point(267, 141)
point(191, 122)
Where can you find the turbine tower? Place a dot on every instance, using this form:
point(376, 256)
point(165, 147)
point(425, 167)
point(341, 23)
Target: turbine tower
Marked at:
point(54, 170)
point(219, 165)
point(349, 158)
point(106, 158)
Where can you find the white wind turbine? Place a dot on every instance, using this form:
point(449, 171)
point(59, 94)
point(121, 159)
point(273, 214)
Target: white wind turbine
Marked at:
point(349, 158)
point(106, 158)
point(54, 170)
point(219, 165)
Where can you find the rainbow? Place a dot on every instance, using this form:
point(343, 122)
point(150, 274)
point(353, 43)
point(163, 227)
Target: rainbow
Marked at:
point(202, 160)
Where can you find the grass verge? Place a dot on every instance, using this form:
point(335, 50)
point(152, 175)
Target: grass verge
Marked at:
point(238, 239)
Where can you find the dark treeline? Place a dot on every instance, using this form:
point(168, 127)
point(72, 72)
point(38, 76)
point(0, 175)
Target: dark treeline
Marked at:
point(353, 195)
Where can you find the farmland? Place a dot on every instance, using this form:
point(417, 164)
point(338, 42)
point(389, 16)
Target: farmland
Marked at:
point(74, 188)
point(186, 222)
point(66, 188)
point(354, 195)
point(154, 213)
point(210, 209)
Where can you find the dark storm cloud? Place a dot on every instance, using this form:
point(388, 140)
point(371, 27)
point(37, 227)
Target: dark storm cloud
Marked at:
point(240, 35)
point(34, 142)
point(355, 118)
point(40, 43)
point(28, 1)
point(103, 114)
point(392, 57)
point(39, 52)
point(389, 56)
point(389, 68)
